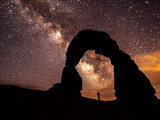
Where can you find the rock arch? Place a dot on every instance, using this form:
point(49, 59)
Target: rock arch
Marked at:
point(130, 82)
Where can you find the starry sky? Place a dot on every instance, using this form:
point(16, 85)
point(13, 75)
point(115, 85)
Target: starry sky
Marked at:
point(35, 34)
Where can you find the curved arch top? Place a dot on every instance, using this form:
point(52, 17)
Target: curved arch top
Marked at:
point(88, 40)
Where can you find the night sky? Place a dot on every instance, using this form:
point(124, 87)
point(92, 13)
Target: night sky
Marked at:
point(34, 36)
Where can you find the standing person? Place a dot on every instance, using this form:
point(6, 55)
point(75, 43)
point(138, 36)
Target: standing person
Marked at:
point(98, 95)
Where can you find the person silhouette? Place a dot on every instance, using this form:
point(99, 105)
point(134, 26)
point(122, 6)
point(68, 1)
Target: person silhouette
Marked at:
point(98, 95)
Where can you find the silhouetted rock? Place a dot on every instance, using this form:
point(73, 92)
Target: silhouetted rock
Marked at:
point(71, 82)
point(71, 78)
point(130, 82)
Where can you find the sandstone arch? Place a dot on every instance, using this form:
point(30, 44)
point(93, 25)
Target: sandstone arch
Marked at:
point(130, 82)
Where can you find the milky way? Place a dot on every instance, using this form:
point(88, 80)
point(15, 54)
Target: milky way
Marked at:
point(34, 35)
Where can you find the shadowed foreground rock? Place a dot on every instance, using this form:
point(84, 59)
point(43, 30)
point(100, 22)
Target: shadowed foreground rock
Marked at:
point(25, 104)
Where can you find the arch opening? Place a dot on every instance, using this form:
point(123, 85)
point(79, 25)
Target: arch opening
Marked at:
point(97, 76)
